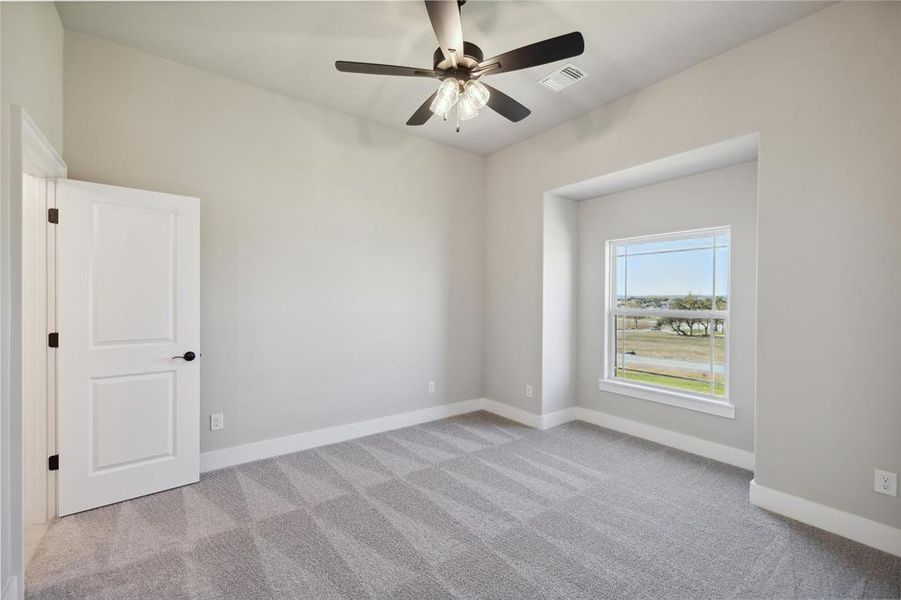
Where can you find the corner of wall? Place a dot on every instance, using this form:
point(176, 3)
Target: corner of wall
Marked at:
point(559, 303)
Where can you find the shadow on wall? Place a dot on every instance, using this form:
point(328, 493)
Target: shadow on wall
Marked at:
point(347, 130)
point(590, 125)
point(406, 48)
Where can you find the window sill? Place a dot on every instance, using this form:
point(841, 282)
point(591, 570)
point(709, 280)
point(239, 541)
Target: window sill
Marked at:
point(687, 401)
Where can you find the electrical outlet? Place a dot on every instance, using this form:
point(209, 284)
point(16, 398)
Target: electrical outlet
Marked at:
point(528, 391)
point(886, 483)
point(217, 422)
point(431, 387)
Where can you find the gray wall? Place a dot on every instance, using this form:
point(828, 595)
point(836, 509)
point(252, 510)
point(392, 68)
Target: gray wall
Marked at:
point(560, 289)
point(721, 197)
point(341, 260)
point(824, 93)
point(31, 64)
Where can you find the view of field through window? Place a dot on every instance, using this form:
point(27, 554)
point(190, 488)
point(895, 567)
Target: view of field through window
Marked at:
point(670, 312)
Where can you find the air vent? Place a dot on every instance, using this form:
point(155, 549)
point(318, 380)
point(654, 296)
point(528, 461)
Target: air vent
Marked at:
point(563, 77)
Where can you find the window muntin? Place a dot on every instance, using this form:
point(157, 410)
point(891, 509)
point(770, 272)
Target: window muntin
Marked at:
point(668, 312)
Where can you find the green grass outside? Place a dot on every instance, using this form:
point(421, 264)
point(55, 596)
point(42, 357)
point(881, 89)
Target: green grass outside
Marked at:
point(689, 385)
point(665, 344)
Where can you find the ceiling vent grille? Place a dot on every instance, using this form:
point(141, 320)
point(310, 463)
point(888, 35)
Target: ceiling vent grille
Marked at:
point(563, 77)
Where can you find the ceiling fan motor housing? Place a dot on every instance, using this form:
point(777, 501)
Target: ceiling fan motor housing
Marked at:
point(472, 56)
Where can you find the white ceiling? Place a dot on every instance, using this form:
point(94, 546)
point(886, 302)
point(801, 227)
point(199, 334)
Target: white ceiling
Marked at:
point(291, 47)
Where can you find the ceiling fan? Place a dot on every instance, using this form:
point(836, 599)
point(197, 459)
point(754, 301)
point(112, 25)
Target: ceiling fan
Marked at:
point(460, 65)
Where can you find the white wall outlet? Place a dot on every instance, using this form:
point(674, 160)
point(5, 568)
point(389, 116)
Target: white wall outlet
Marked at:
point(431, 387)
point(886, 483)
point(528, 390)
point(217, 421)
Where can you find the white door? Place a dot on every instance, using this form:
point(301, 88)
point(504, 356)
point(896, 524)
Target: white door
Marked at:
point(129, 304)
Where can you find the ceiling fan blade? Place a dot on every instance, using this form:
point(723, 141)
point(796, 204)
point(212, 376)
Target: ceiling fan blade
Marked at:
point(423, 113)
point(506, 106)
point(445, 18)
point(376, 69)
point(539, 53)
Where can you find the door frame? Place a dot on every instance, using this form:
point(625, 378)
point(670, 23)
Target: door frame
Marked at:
point(29, 152)
point(40, 436)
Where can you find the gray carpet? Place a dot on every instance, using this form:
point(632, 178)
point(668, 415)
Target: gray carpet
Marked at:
point(469, 507)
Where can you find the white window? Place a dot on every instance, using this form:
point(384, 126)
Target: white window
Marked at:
point(668, 319)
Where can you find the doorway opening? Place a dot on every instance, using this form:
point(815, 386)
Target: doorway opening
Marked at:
point(40, 167)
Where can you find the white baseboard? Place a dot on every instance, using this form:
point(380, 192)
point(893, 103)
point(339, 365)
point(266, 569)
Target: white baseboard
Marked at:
point(236, 455)
point(545, 421)
point(878, 535)
point(559, 417)
point(694, 445)
point(11, 589)
point(511, 412)
point(687, 443)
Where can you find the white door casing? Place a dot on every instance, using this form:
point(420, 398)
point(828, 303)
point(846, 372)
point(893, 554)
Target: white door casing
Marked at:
point(35, 367)
point(129, 302)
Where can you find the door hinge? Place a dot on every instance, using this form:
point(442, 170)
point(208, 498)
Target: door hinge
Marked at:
point(53, 340)
point(53, 215)
point(53, 463)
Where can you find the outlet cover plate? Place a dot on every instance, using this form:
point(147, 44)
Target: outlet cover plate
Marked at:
point(886, 483)
point(217, 422)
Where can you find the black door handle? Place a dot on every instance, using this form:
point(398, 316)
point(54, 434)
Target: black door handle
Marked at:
point(188, 356)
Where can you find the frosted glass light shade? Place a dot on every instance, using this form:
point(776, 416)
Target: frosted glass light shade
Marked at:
point(465, 108)
point(477, 93)
point(448, 93)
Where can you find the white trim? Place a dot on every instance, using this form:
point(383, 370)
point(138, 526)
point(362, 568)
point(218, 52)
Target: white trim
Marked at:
point(514, 414)
point(41, 160)
point(530, 419)
point(29, 152)
point(860, 529)
point(672, 398)
point(52, 387)
point(559, 418)
point(672, 236)
point(11, 589)
point(687, 443)
point(236, 455)
point(39, 157)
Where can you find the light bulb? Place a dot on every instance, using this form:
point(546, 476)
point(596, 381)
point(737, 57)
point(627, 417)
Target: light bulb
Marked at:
point(465, 108)
point(447, 95)
point(477, 93)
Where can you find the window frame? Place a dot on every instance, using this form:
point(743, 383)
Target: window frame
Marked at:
point(707, 403)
